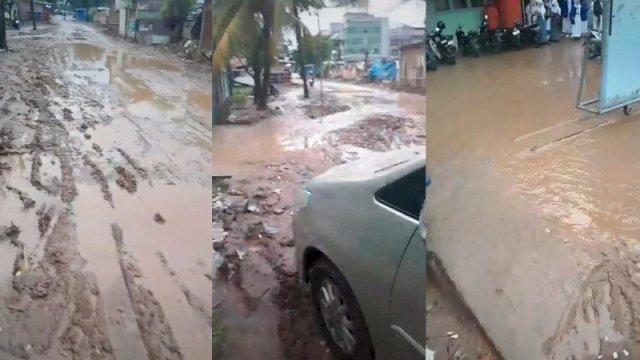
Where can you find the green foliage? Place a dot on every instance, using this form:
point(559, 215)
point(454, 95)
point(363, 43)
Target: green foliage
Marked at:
point(178, 8)
point(240, 96)
point(316, 48)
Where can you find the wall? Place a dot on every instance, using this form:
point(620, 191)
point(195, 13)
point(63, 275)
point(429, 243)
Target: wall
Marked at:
point(470, 18)
point(25, 10)
point(412, 67)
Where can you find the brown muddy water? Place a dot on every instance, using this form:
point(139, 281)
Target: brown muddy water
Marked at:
point(105, 154)
point(514, 116)
point(290, 129)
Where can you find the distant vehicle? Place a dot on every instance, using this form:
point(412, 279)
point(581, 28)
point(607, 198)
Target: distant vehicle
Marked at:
point(361, 247)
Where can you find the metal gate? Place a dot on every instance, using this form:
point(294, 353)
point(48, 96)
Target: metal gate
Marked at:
point(620, 75)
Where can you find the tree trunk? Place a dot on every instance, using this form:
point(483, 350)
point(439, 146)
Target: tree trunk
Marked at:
point(3, 32)
point(256, 64)
point(300, 57)
point(267, 15)
point(33, 14)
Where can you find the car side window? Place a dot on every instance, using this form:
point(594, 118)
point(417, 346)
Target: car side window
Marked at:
point(405, 194)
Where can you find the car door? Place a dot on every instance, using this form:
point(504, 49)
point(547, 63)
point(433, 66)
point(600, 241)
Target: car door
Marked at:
point(405, 327)
point(407, 310)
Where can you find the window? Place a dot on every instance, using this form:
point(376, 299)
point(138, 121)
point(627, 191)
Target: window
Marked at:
point(477, 3)
point(460, 4)
point(406, 194)
point(442, 5)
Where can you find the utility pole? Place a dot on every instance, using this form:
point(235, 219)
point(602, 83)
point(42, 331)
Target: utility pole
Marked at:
point(321, 85)
point(33, 13)
point(3, 31)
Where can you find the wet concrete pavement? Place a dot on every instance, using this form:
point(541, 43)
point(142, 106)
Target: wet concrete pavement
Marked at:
point(533, 204)
point(103, 136)
point(261, 310)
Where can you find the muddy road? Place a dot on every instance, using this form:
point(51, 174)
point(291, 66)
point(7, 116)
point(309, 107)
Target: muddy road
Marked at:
point(105, 153)
point(534, 205)
point(260, 311)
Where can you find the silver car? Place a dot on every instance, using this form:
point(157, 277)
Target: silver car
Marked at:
point(360, 246)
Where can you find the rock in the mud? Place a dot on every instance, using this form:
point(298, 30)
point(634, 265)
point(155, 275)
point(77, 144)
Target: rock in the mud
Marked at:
point(278, 211)
point(84, 127)
point(272, 200)
point(270, 231)
point(87, 136)
point(252, 207)
point(254, 230)
point(159, 219)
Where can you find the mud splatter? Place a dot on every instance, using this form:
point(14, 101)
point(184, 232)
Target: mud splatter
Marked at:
point(11, 233)
point(27, 202)
point(98, 175)
point(45, 215)
point(159, 219)
point(97, 148)
point(134, 164)
point(126, 180)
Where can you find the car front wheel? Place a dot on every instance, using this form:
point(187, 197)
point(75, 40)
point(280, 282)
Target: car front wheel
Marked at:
point(338, 313)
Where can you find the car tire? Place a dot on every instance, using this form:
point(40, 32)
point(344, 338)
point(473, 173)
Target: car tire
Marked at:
point(324, 271)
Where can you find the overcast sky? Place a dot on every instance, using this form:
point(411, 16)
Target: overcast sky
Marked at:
point(409, 12)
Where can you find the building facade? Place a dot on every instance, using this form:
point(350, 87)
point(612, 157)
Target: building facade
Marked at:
point(365, 36)
point(404, 35)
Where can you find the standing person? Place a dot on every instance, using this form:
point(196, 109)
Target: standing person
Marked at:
point(565, 6)
point(584, 17)
point(555, 14)
point(597, 14)
point(538, 16)
point(576, 23)
point(528, 13)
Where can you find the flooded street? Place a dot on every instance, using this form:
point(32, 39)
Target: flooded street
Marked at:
point(534, 208)
point(105, 153)
point(262, 310)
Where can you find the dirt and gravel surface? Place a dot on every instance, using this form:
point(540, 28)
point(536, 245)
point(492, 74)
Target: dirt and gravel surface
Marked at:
point(261, 310)
point(96, 138)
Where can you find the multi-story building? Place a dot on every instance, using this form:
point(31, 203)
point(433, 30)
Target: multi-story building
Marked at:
point(365, 36)
point(404, 35)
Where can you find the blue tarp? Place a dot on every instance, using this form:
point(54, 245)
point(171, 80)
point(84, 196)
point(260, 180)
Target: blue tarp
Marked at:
point(383, 70)
point(81, 14)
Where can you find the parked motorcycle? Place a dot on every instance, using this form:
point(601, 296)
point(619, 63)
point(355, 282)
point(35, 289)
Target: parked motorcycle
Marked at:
point(594, 42)
point(442, 45)
point(468, 43)
point(432, 60)
point(490, 40)
point(512, 37)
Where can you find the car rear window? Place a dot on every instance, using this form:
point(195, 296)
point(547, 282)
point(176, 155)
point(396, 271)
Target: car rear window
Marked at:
point(405, 194)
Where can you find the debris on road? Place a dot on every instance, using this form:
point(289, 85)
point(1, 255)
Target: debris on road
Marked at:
point(159, 219)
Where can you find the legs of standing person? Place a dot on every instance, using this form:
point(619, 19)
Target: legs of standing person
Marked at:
point(542, 31)
point(554, 35)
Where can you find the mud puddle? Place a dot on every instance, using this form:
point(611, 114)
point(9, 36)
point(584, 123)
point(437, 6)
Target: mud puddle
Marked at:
point(573, 169)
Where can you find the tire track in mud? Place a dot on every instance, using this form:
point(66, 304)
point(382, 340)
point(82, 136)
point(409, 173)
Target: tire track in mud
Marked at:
point(100, 178)
point(156, 332)
point(608, 305)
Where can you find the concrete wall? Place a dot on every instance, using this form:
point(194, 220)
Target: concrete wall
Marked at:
point(25, 11)
point(469, 18)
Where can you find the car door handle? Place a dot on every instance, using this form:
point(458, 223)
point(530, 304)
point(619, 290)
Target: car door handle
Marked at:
point(408, 339)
